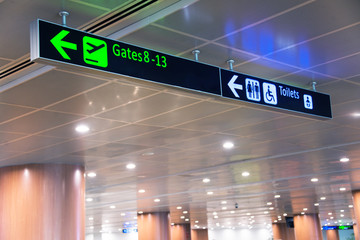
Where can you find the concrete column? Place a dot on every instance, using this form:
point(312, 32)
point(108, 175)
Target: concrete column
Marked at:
point(356, 203)
point(42, 202)
point(332, 235)
point(282, 232)
point(180, 232)
point(154, 226)
point(199, 234)
point(307, 227)
point(356, 232)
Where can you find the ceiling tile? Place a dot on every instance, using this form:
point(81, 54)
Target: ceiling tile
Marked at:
point(30, 143)
point(355, 79)
point(7, 137)
point(163, 137)
point(10, 111)
point(162, 40)
point(95, 125)
point(102, 98)
point(341, 91)
point(222, 18)
point(277, 33)
point(37, 121)
point(189, 113)
point(304, 79)
point(321, 50)
point(264, 68)
point(216, 55)
point(3, 62)
point(342, 68)
point(48, 88)
point(236, 118)
point(148, 107)
point(123, 132)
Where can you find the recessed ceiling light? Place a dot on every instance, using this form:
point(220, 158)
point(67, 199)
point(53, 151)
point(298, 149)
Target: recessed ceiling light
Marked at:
point(89, 199)
point(302, 213)
point(91, 218)
point(210, 193)
point(331, 217)
point(140, 212)
point(344, 159)
point(179, 207)
point(196, 221)
point(172, 224)
point(271, 208)
point(342, 189)
point(266, 212)
point(305, 209)
point(277, 196)
point(316, 204)
point(314, 180)
point(341, 215)
point(245, 174)
point(275, 221)
point(91, 174)
point(148, 154)
point(223, 202)
point(285, 214)
point(356, 114)
point(82, 128)
point(186, 220)
point(185, 212)
point(122, 214)
point(329, 213)
point(232, 212)
point(323, 198)
point(224, 208)
point(130, 166)
point(112, 207)
point(157, 200)
point(228, 145)
point(216, 216)
point(342, 211)
point(141, 191)
point(182, 217)
point(214, 213)
point(269, 203)
point(351, 206)
point(206, 180)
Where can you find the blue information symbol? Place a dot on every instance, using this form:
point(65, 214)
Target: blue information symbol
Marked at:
point(308, 102)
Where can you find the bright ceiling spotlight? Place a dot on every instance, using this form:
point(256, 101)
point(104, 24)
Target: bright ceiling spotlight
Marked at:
point(228, 145)
point(82, 128)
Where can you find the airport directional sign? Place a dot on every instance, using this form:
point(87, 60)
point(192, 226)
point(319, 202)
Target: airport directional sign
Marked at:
point(60, 45)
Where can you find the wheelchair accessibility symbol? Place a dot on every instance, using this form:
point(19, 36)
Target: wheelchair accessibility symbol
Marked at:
point(269, 91)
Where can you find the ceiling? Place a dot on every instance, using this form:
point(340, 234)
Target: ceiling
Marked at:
point(175, 137)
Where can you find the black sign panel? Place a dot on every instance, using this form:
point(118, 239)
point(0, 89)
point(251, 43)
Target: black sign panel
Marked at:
point(264, 92)
point(67, 45)
point(63, 45)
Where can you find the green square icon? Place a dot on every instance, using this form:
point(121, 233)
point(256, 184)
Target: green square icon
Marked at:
point(95, 52)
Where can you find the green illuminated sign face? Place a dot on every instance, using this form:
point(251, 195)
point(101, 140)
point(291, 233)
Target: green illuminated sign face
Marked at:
point(95, 52)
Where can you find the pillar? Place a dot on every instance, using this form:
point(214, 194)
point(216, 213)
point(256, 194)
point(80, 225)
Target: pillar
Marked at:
point(180, 232)
point(42, 202)
point(356, 203)
point(356, 232)
point(279, 231)
point(282, 232)
point(199, 234)
point(154, 226)
point(332, 235)
point(307, 227)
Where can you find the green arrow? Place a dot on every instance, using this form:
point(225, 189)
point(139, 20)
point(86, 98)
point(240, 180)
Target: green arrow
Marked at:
point(59, 44)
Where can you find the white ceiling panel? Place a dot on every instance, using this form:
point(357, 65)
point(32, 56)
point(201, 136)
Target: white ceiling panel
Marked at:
point(102, 98)
point(10, 111)
point(37, 121)
point(147, 107)
point(48, 88)
point(213, 19)
point(341, 91)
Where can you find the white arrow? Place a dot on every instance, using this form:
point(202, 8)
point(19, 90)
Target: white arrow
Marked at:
point(232, 85)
